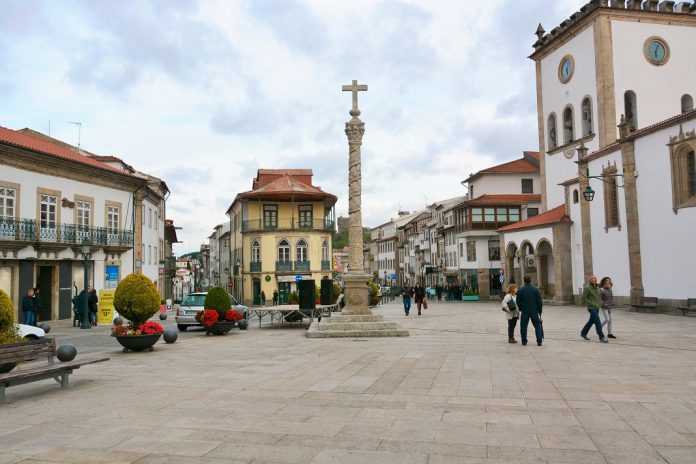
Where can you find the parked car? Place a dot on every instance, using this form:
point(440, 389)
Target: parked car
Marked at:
point(192, 303)
point(30, 332)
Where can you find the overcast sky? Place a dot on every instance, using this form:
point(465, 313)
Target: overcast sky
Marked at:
point(202, 94)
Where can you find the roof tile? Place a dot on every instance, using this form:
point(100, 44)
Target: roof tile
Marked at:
point(551, 216)
point(514, 199)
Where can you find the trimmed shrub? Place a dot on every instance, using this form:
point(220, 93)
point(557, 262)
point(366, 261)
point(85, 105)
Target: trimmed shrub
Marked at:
point(374, 294)
point(8, 330)
point(219, 300)
point(293, 298)
point(136, 298)
point(336, 292)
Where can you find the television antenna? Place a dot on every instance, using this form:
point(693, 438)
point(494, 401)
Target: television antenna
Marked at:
point(79, 133)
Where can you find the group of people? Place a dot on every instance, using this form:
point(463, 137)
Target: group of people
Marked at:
point(525, 304)
point(417, 293)
point(92, 304)
point(31, 304)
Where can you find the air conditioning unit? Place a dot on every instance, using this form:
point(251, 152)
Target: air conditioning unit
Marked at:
point(530, 261)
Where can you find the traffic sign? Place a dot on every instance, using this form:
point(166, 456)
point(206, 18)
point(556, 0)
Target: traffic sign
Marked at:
point(502, 279)
point(298, 278)
point(392, 277)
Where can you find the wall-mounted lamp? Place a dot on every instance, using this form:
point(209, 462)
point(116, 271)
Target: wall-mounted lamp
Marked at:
point(589, 194)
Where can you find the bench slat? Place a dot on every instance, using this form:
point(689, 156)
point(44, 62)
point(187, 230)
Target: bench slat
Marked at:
point(55, 369)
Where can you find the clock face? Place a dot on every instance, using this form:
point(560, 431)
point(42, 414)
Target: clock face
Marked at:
point(566, 68)
point(656, 51)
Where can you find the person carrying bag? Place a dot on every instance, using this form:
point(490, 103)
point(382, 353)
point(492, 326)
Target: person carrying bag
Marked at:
point(509, 306)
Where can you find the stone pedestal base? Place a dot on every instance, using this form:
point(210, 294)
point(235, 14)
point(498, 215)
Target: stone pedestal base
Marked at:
point(355, 326)
point(357, 294)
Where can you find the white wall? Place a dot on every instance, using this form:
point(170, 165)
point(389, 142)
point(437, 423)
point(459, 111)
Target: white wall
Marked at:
point(658, 88)
point(492, 184)
point(576, 240)
point(151, 233)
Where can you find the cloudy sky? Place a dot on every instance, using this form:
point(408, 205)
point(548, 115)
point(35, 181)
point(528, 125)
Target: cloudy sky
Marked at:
point(203, 93)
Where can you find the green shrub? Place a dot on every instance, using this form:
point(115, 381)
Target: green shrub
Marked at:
point(136, 298)
point(219, 300)
point(336, 292)
point(374, 294)
point(293, 298)
point(8, 330)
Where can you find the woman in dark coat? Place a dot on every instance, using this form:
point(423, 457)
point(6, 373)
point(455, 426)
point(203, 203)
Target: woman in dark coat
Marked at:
point(418, 296)
point(93, 305)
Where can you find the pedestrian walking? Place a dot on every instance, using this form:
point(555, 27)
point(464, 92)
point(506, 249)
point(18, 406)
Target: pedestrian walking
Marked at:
point(37, 305)
point(590, 295)
point(263, 298)
point(406, 293)
point(28, 307)
point(418, 296)
point(607, 297)
point(529, 302)
point(512, 311)
point(275, 297)
point(93, 306)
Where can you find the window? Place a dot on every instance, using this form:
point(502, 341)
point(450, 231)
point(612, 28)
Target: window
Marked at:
point(568, 128)
point(48, 215)
point(683, 160)
point(155, 255)
point(494, 250)
point(270, 216)
point(576, 196)
point(586, 117)
point(531, 212)
point(471, 251)
point(687, 103)
point(691, 171)
point(284, 251)
point(631, 109)
point(112, 219)
point(7, 203)
point(149, 217)
point(84, 213)
point(301, 251)
point(553, 143)
point(255, 252)
point(611, 198)
point(527, 186)
point(149, 254)
point(325, 251)
point(306, 217)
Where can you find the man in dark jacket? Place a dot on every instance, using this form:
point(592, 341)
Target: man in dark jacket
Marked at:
point(530, 305)
point(28, 307)
point(590, 296)
point(37, 305)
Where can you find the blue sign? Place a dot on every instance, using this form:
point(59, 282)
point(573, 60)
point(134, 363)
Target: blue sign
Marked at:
point(298, 278)
point(392, 277)
point(111, 272)
point(502, 279)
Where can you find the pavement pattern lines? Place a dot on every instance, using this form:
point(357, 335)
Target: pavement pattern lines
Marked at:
point(454, 391)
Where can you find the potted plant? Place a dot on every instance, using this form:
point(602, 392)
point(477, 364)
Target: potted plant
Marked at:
point(8, 329)
point(470, 294)
point(136, 299)
point(218, 318)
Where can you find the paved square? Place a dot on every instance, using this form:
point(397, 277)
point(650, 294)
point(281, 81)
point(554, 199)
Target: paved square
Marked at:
point(454, 391)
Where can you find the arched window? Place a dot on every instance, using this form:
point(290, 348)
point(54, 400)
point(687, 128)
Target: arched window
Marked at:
point(586, 117)
point(325, 251)
point(691, 170)
point(631, 109)
point(611, 198)
point(568, 128)
point(553, 143)
point(255, 252)
point(302, 251)
point(687, 103)
point(283, 251)
point(576, 196)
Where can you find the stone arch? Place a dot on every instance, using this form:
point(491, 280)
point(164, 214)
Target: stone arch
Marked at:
point(512, 268)
point(526, 266)
point(586, 116)
point(545, 267)
point(631, 109)
point(687, 103)
point(552, 131)
point(283, 250)
point(568, 124)
point(302, 250)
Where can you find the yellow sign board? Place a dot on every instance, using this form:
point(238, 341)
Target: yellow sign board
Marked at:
point(106, 306)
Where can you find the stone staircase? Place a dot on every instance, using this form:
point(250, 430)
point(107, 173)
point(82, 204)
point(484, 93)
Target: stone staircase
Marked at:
point(355, 326)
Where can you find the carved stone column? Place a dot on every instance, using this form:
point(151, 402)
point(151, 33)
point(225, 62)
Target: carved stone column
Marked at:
point(138, 231)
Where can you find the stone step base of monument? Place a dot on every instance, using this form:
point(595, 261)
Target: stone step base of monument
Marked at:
point(356, 333)
point(355, 326)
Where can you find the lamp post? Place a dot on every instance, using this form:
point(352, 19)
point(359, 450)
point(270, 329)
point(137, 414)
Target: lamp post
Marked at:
point(385, 277)
point(86, 248)
point(589, 194)
point(240, 283)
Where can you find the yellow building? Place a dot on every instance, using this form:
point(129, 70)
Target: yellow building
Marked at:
point(280, 232)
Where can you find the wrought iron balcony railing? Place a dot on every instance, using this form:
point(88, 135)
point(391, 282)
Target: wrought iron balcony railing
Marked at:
point(284, 266)
point(326, 265)
point(288, 224)
point(302, 265)
point(28, 230)
point(255, 266)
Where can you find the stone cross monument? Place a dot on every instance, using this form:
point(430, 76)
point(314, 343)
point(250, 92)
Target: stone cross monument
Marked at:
point(356, 319)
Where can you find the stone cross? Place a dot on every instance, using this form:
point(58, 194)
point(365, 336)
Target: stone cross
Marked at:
point(355, 88)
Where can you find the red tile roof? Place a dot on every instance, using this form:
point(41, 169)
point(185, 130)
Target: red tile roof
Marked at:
point(287, 186)
point(516, 199)
point(528, 164)
point(572, 181)
point(40, 145)
point(551, 216)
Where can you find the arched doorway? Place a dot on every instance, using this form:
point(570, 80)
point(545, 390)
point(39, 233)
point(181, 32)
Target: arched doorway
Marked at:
point(512, 269)
point(546, 272)
point(528, 264)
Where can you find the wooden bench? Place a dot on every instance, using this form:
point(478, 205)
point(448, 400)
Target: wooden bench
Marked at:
point(649, 303)
point(690, 306)
point(25, 352)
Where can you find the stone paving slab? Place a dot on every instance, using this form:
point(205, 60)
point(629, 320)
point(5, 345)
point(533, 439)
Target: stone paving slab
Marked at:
point(454, 391)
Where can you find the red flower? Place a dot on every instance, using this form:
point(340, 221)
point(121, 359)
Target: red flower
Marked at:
point(209, 318)
point(151, 328)
point(232, 315)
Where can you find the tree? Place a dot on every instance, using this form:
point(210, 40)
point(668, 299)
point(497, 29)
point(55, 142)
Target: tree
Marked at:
point(340, 240)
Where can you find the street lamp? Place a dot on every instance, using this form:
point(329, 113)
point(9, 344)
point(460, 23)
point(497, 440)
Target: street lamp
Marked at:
point(86, 248)
point(589, 193)
point(385, 277)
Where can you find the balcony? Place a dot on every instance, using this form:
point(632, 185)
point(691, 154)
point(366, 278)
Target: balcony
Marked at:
point(326, 265)
point(255, 266)
point(302, 265)
point(27, 230)
point(283, 266)
point(288, 224)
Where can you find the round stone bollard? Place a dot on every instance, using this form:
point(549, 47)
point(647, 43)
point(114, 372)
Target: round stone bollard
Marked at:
point(66, 352)
point(118, 321)
point(243, 324)
point(170, 336)
point(163, 316)
point(46, 327)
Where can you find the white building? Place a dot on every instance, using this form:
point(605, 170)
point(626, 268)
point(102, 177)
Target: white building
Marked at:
point(384, 237)
point(615, 89)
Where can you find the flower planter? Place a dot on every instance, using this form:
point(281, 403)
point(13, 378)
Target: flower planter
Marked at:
point(470, 298)
point(220, 328)
point(137, 342)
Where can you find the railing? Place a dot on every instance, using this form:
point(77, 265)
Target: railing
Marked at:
point(27, 230)
point(326, 265)
point(288, 224)
point(284, 266)
point(255, 266)
point(302, 265)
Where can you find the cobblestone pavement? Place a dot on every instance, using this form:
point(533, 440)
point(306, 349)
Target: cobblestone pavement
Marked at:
point(453, 392)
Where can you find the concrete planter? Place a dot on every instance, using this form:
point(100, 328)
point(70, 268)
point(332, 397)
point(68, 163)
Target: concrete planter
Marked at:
point(137, 342)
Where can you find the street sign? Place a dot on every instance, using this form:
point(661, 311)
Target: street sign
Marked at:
point(502, 279)
point(392, 277)
point(298, 278)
